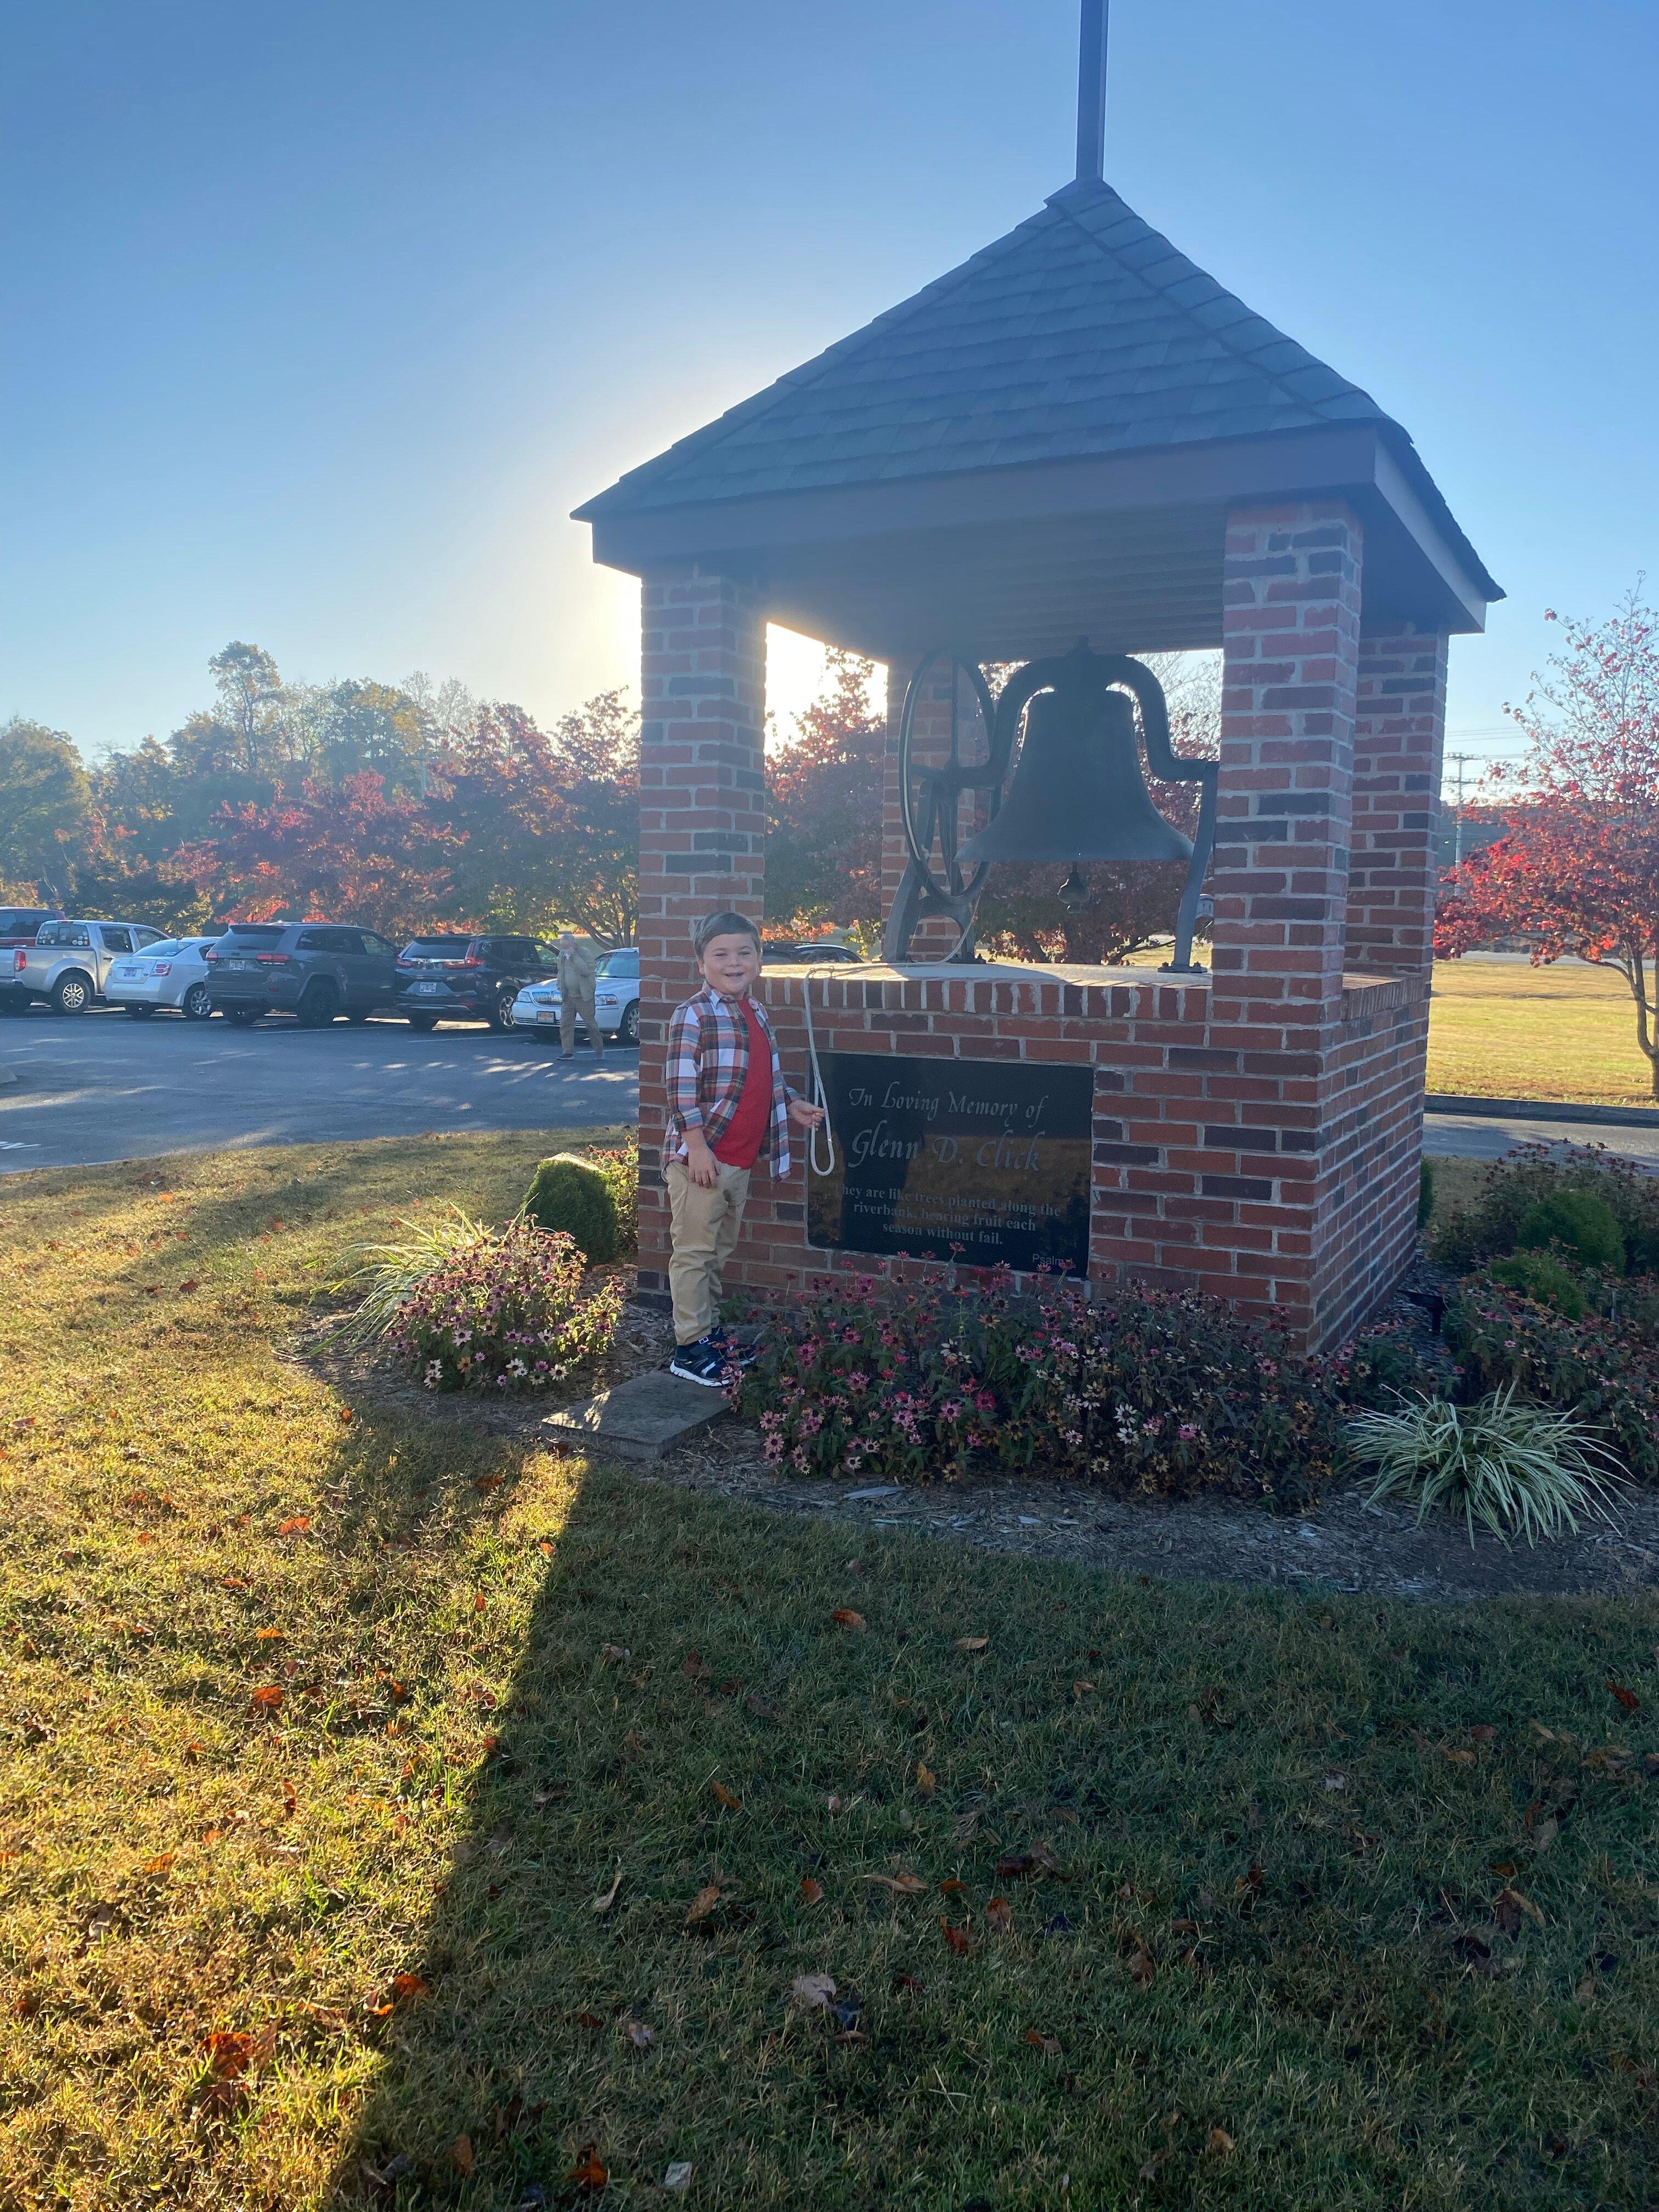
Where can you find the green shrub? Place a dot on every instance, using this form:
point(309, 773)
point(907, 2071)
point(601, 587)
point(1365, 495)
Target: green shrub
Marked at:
point(620, 1166)
point(1581, 1223)
point(573, 1194)
point(1424, 1194)
point(1596, 1367)
point(1471, 1235)
point(1516, 1468)
point(1541, 1278)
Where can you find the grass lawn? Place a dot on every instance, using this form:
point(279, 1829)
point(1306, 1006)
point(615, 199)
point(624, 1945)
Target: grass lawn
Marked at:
point(331, 1738)
point(1501, 1029)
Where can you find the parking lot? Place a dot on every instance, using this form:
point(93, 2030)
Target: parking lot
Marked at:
point(100, 1087)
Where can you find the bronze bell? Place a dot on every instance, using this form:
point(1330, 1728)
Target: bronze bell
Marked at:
point(1077, 793)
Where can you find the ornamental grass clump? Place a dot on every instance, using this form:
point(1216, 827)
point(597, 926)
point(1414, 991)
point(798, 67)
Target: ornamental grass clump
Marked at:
point(508, 1313)
point(1507, 1466)
point(387, 1274)
point(1604, 1366)
point(1164, 1393)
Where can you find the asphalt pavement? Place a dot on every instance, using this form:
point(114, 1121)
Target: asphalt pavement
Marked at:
point(99, 1087)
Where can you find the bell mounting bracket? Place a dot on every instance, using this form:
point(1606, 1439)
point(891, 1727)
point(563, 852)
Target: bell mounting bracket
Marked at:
point(929, 798)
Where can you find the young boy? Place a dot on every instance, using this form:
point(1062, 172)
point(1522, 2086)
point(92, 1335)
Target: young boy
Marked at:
point(727, 1102)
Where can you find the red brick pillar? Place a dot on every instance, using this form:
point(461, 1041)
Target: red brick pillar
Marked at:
point(1399, 739)
point(1291, 637)
point(930, 745)
point(703, 831)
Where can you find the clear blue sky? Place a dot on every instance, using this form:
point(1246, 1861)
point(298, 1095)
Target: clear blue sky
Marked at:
point(321, 318)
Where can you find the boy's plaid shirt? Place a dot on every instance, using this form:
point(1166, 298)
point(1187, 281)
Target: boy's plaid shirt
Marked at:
point(708, 1063)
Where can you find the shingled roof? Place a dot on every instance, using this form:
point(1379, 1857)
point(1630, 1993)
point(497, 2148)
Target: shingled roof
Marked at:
point(1082, 333)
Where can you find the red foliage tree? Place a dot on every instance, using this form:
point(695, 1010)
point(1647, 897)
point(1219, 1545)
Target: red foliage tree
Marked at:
point(823, 795)
point(347, 851)
point(1578, 868)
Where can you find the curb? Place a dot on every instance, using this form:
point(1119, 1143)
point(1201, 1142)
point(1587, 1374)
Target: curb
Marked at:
point(1543, 1110)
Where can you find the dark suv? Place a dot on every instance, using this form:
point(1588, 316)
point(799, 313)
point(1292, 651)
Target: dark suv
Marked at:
point(316, 969)
point(467, 979)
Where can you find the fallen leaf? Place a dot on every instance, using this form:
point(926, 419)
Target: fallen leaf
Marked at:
point(1627, 1699)
point(1149, 2171)
point(832, 1804)
point(812, 1990)
point(1334, 1781)
point(190, 1285)
point(1021, 1864)
point(268, 1635)
point(479, 1602)
point(1083, 1689)
point(972, 1643)
point(812, 1893)
point(296, 1527)
point(1458, 1757)
point(161, 1865)
point(926, 1780)
point(701, 1905)
point(901, 1885)
point(1546, 1833)
point(268, 1699)
point(1138, 1966)
point(957, 1938)
point(1000, 1914)
point(1047, 2044)
point(615, 1654)
point(678, 2179)
point(489, 1481)
point(231, 2051)
point(694, 1668)
point(232, 1583)
point(405, 1988)
point(460, 2153)
point(1484, 1734)
point(1508, 1906)
point(952, 1886)
point(345, 1414)
point(639, 2035)
point(603, 1903)
point(1219, 2139)
point(844, 1617)
point(589, 2171)
point(727, 1799)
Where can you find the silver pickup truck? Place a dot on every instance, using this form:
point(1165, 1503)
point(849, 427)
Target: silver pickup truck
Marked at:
point(69, 964)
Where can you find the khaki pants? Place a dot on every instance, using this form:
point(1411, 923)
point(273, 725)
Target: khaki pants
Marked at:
point(571, 1004)
point(705, 1225)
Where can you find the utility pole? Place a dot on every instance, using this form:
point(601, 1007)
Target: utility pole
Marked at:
point(1459, 761)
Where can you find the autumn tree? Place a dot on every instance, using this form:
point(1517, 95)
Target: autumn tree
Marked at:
point(44, 806)
point(354, 851)
point(551, 818)
point(824, 804)
point(1577, 869)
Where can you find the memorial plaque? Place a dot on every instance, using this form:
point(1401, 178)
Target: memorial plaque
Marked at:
point(991, 1157)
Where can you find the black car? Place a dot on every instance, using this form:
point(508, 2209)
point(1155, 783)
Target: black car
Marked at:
point(316, 969)
point(468, 979)
point(796, 954)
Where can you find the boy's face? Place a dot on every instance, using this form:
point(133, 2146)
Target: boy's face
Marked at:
point(730, 963)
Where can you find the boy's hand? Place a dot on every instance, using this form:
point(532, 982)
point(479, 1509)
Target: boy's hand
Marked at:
point(803, 1116)
point(700, 1163)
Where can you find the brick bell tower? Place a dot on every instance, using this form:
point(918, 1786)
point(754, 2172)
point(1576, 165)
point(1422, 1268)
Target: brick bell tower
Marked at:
point(1079, 434)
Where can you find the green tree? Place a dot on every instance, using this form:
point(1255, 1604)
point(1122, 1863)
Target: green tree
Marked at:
point(45, 805)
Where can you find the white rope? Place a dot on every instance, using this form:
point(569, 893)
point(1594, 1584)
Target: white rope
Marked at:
point(818, 1097)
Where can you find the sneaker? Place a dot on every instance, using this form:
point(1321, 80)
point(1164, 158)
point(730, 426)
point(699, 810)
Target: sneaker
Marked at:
point(702, 1362)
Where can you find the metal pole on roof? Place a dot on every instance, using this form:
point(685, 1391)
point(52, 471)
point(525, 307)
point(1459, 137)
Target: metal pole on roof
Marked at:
point(1091, 94)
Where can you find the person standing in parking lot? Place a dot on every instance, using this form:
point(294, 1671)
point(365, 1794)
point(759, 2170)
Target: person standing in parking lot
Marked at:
point(577, 969)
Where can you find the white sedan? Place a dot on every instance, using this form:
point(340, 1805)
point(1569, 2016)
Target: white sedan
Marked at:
point(171, 974)
point(615, 1000)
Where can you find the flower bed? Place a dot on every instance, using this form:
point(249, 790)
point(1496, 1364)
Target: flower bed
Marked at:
point(506, 1312)
point(1163, 1394)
